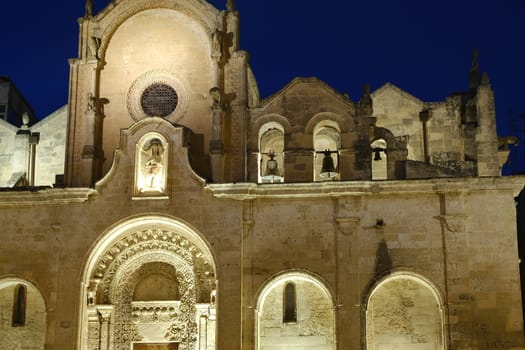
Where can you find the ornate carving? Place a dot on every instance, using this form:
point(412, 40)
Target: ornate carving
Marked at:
point(162, 77)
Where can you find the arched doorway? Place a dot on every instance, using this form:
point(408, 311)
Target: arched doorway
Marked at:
point(148, 285)
point(23, 325)
point(295, 311)
point(404, 311)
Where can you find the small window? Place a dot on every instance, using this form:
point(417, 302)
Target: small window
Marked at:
point(290, 304)
point(19, 306)
point(3, 108)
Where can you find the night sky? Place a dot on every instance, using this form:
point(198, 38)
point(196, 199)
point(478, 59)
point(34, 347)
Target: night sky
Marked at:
point(423, 47)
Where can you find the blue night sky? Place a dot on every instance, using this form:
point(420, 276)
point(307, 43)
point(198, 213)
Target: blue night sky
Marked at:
point(423, 47)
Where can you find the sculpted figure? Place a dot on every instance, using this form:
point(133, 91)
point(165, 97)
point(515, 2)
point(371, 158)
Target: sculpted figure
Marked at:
point(92, 103)
point(153, 167)
point(230, 5)
point(94, 45)
point(505, 141)
point(89, 8)
point(216, 95)
point(217, 44)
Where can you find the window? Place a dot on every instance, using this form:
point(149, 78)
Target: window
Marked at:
point(19, 306)
point(289, 304)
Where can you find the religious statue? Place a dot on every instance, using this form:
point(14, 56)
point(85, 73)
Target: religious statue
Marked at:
point(217, 39)
point(230, 5)
point(153, 178)
point(216, 95)
point(94, 45)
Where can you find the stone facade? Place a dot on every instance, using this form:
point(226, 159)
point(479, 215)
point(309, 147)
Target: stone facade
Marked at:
point(194, 215)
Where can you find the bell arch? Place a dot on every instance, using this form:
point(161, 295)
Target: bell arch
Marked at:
point(327, 143)
point(313, 321)
point(405, 310)
point(175, 306)
point(271, 152)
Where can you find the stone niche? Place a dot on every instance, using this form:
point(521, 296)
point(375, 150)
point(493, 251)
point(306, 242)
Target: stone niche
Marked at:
point(404, 312)
point(312, 323)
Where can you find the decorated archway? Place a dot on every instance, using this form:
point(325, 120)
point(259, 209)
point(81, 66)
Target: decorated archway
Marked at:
point(149, 283)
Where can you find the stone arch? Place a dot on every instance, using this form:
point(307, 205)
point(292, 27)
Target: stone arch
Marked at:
point(396, 151)
point(123, 257)
point(271, 152)
point(315, 325)
point(326, 138)
point(202, 12)
point(325, 118)
point(31, 333)
point(405, 309)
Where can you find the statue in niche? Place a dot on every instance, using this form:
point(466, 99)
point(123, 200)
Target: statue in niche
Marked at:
point(153, 167)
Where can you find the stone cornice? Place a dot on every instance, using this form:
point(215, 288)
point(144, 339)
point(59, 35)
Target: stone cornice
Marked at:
point(41, 197)
point(326, 190)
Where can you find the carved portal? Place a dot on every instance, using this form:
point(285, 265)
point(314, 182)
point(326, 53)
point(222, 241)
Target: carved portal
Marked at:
point(152, 286)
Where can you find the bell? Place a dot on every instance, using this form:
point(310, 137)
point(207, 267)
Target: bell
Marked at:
point(272, 168)
point(328, 164)
point(377, 155)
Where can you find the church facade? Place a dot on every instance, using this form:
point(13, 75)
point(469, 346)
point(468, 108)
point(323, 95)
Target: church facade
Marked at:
point(168, 206)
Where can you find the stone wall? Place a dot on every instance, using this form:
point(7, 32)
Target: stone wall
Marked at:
point(31, 335)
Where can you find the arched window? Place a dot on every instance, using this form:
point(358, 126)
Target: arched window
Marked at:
point(379, 160)
point(289, 304)
point(327, 142)
point(271, 153)
point(19, 306)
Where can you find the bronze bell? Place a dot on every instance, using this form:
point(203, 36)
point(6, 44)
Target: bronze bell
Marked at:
point(377, 155)
point(328, 163)
point(272, 168)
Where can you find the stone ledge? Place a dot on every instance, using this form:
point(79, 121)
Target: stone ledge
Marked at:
point(335, 189)
point(37, 196)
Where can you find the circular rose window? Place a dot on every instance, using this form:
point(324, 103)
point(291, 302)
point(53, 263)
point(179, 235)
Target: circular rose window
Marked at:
point(159, 100)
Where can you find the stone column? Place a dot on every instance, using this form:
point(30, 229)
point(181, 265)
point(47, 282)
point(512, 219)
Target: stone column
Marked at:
point(105, 312)
point(93, 335)
point(348, 311)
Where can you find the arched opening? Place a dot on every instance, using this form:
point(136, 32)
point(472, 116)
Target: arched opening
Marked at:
point(379, 159)
point(271, 153)
point(148, 284)
point(404, 311)
point(327, 143)
point(290, 304)
point(24, 326)
point(295, 311)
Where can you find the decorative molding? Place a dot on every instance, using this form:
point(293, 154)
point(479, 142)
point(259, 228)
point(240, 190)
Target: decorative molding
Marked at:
point(158, 76)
